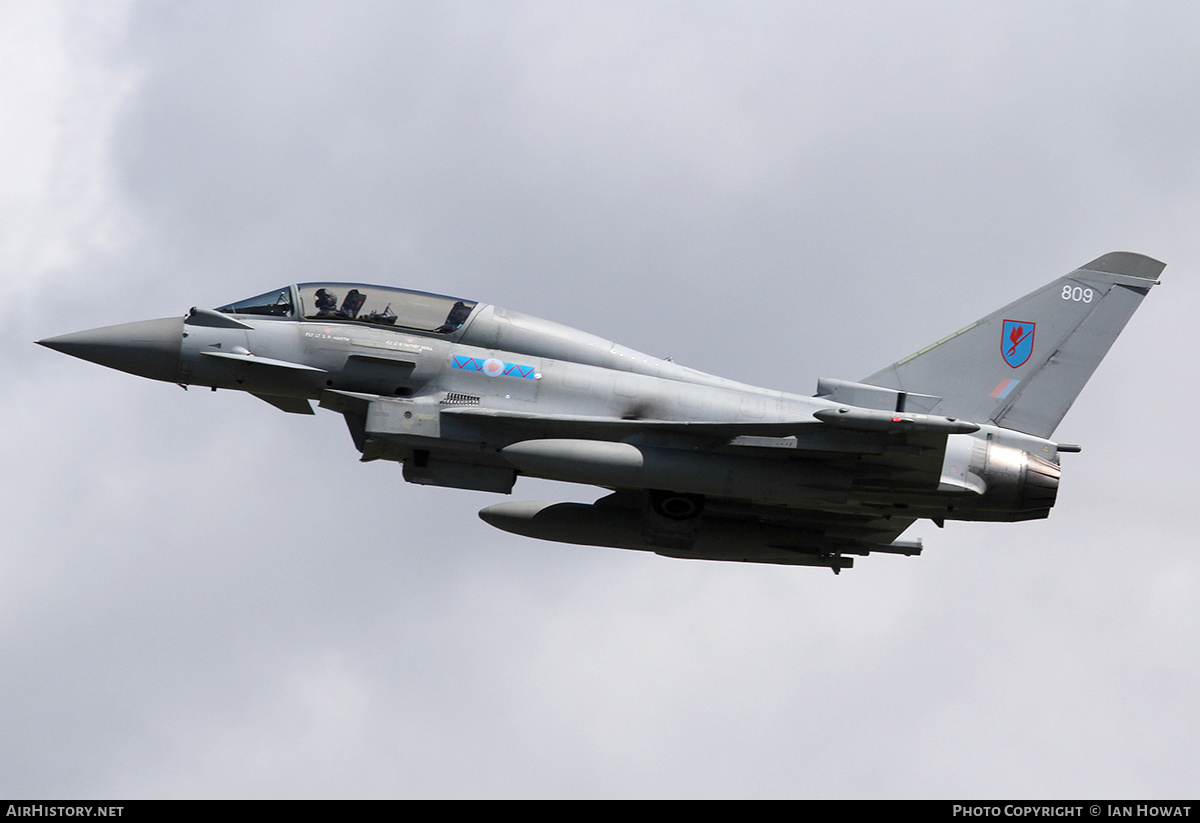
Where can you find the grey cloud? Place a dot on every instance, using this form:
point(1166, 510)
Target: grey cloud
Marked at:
point(204, 597)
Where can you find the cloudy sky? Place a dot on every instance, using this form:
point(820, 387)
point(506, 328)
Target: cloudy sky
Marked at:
point(202, 596)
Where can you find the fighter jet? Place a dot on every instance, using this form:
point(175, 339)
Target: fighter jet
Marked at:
point(472, 396)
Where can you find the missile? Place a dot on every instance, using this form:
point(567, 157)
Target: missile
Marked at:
point(625, 465)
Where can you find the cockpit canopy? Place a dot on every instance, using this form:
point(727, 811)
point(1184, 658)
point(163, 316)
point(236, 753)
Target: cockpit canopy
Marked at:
point(276, 303)
point(360, 303)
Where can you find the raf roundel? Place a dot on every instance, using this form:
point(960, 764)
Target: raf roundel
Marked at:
point(492, 367)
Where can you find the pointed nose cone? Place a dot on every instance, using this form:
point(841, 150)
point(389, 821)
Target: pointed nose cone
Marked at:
point(149, 348)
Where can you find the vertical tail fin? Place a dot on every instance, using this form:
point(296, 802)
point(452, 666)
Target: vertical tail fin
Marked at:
point(1023, 366)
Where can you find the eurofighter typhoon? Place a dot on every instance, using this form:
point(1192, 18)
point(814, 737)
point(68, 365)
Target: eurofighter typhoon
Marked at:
point(472, 396)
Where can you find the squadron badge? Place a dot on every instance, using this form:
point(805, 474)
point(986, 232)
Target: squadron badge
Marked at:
point(1016, 342)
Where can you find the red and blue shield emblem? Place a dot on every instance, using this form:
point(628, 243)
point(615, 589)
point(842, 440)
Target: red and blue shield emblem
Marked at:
point(1016, 342)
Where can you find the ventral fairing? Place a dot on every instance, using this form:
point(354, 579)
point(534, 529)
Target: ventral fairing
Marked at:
point(468, 395)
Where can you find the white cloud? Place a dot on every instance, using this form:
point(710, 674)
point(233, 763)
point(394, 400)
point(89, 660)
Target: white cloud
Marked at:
point(62, 88)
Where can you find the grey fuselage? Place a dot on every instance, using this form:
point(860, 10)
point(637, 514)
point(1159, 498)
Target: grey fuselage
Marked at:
point(467, 395)
point(507, 393)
